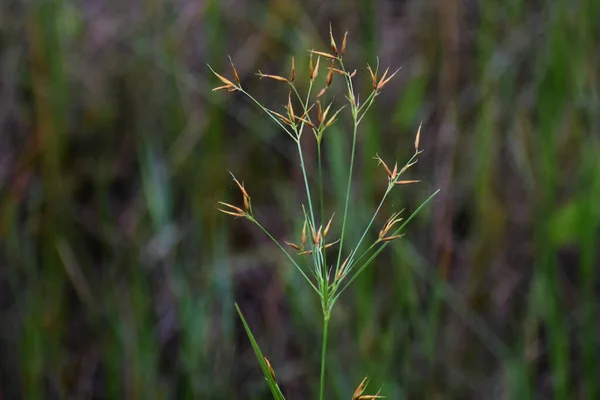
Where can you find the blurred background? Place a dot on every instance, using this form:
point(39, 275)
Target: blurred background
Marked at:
point(118, 276)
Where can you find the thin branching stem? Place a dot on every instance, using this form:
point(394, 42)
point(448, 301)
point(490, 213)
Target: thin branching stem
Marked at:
point(285, 252)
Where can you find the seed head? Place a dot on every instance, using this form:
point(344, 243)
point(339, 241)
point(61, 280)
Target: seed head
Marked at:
point(326, 231)
point(315, 72)
point(406, 182)
point(230, 86)
point(328, 245)
point(237, 212)
point(293, 74)
point(281, 117)
point(340, 272)
point(383, 81)
point(333, 46)
point(293, 245)
point(381, 162)
point(235, 74)
point(360, 389)
point(303, 238)
point(418, 137)
point(393, 220)
point(333, 118)
point(319, 112)
point(373, 76)
point(290, 108)
point(329, 74)
point(343, 50)
point(326, 55)
point(275, 77)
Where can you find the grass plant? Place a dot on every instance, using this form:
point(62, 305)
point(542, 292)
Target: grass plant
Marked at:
point(312, 112)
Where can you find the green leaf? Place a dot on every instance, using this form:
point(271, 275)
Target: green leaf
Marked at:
point(261, 360)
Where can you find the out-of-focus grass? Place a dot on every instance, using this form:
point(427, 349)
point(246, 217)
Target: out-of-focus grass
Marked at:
point(118, 277)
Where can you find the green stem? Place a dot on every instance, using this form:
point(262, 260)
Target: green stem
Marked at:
point(347, 193)
point(321, 183)
point(323, 353)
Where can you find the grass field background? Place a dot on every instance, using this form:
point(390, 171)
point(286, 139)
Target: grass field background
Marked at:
point(118, 276)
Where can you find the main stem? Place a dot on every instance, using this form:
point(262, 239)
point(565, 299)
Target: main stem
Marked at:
point(323, 353)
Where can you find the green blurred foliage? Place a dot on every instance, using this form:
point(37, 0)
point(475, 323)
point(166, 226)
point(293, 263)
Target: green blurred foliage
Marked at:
point(118, 276)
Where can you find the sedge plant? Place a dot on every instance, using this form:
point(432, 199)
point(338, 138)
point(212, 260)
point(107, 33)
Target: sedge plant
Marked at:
point(307, 113)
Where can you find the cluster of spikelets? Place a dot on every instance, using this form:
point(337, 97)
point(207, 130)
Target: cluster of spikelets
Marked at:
point(328, 281)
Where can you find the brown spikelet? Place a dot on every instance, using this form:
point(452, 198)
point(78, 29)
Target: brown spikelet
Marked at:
point(326, 231)
point(360, 389)
point(340, 271)
point(319, 235)
point(324, 116)
point(333, 118)
point(281, 117)
point(383, 81)
point(315, 72)
point(328, 245)
point(381, 162)
point(226, 81)
point(407, 182)
point(303, 253)
point(333, 46)
point(271, 371)
point(293, 245)
point(338, 71)
point(343, 49)
point(390, 238)
point(276, 77)
point(326, 55)
point(393, 220)
point(237, 212)
point(235, 73)
point(303, 237)
point(319, 113)
point(240, 185)
point(313, 234)
point(373, 76)
point(290, 108)
point(228, 87)
point(353, 74)
point(310, 67)
point(418, 137)
point(247, 203)
point(370, 397)
point(293, 73)
point(329, 74)
point(306, 121)
point(394, 172)
point(322, 92)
